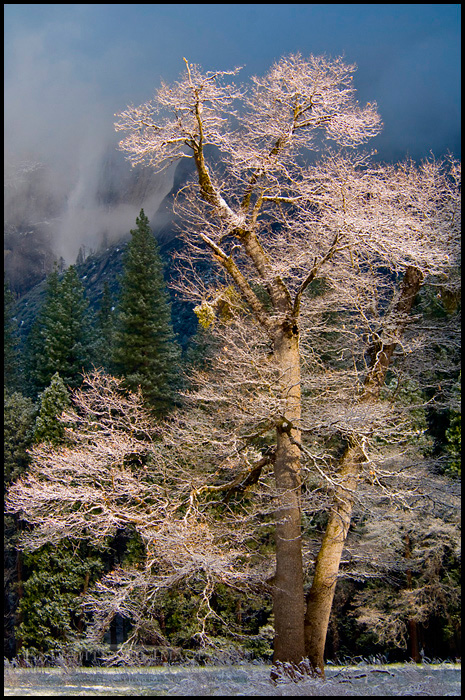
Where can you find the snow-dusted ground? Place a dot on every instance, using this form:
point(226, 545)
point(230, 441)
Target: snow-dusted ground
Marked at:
point(248, 679)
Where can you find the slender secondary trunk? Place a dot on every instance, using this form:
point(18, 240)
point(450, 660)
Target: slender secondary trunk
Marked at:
point(288, 596)
point(321, 595)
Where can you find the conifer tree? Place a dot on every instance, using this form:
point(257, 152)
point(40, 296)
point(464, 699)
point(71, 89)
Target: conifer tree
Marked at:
point(49, 610)
point(60, 338)
point(54, 399)
point(146, 351)
point(19, 413)
point(18, 420)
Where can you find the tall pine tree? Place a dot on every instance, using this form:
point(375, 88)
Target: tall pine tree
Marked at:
point(60, 340)
point(146, 352)
point(19, 415)
point(53, 401)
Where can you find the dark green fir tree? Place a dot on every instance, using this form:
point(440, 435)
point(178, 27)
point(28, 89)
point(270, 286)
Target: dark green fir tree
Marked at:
point(19, 415)
point(53, 401)
point(146, 352)
point(50, 619)
point(60, 340)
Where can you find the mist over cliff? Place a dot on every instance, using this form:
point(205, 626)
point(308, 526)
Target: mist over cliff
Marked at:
point(66, 183)
point(47, 218)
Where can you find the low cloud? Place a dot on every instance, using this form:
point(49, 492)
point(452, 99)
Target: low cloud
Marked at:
point(60, 146)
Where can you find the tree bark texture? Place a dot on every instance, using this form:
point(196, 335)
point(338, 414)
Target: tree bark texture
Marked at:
point(288, 596)
point(321, 595)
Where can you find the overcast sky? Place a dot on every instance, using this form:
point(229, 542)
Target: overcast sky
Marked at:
point(69, 68)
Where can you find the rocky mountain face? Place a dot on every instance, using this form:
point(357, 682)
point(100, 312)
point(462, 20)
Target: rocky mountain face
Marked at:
point(30, 207)
point(45, 222)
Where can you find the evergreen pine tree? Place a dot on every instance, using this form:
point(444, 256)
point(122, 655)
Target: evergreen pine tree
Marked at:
point(146, 351)
point(60, 338)
point(19, 413)
point(18, 422)
point(37, 369)
point(50, 618)
point(53, 400)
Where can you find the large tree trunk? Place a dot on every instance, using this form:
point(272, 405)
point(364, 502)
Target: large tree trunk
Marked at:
point(288, 596)
point(321, 595)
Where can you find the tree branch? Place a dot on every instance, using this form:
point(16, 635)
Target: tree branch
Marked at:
point(244, 287)
point(380, 353)
point(242, 481)
point(311, 276)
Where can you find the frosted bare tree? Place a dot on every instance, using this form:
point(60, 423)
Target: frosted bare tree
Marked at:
point(316, 268)
point(116, 471)
point(285, 111)
point(270, 222)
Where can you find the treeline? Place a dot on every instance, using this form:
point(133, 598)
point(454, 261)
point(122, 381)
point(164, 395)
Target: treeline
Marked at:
point(132, 338)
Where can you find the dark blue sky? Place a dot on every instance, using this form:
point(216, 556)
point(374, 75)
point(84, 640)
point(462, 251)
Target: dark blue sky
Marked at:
point(63, 58)
point(69, 68)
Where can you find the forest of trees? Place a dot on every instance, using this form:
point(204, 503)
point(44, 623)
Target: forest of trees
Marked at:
point(287, 486)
